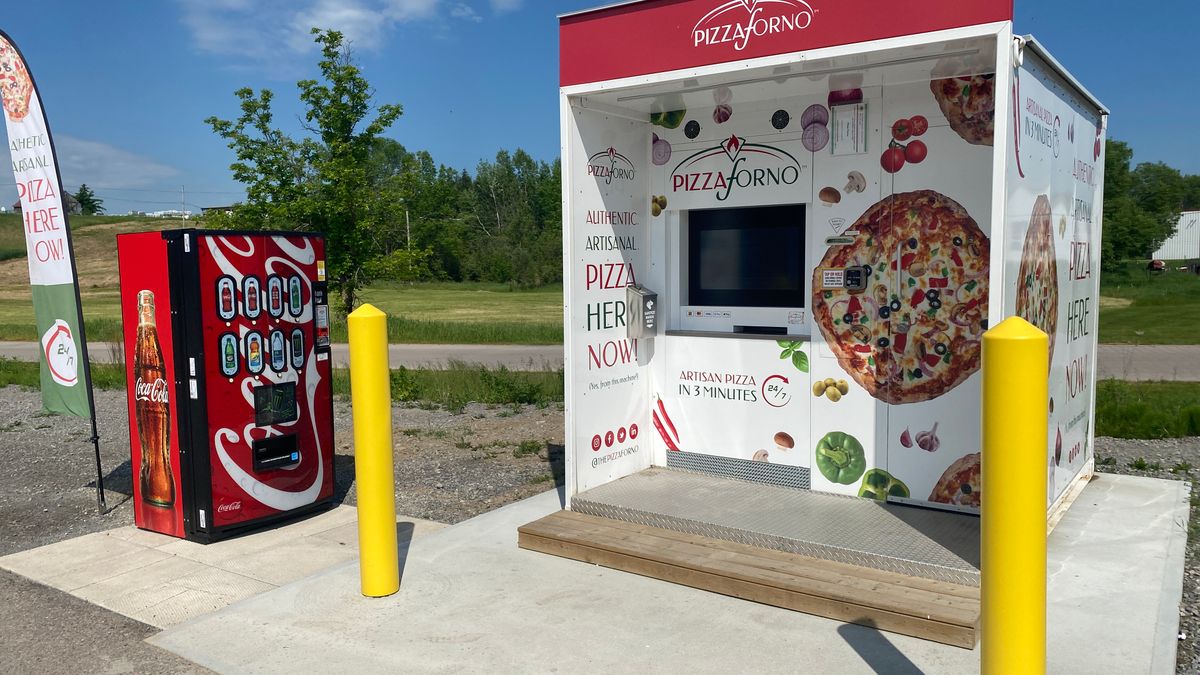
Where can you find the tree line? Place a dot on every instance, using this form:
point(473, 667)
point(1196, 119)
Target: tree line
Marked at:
point(387, 212)
point(391, 213)
point(1141, 204)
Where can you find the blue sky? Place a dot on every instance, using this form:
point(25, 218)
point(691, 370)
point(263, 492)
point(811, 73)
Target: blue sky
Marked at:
point(127, 85)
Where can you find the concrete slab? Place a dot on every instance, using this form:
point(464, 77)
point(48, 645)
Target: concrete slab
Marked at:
point(470, 600)
point(162, 581)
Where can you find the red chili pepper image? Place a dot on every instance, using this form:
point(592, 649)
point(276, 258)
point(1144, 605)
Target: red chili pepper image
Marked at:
point(667, 418)
point(663, 432)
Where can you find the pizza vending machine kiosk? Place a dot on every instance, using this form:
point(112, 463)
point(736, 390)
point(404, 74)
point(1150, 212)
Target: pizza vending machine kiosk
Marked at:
point(227, 356)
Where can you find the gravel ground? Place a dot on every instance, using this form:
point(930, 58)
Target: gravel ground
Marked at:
point(1172, 459)
point(449, 467)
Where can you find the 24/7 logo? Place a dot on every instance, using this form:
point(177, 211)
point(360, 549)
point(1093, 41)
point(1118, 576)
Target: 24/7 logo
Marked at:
point(782, 168)
point(58, 345)
point(611, 165)
point(737, 22)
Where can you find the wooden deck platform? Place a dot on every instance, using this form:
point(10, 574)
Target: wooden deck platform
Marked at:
point(925, 608)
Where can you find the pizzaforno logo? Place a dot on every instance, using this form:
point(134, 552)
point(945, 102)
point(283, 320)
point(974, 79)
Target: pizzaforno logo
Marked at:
point(753, 165)
point(610, 165)
point(737, 22)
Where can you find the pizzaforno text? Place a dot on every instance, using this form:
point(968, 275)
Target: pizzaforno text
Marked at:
point(756, 26)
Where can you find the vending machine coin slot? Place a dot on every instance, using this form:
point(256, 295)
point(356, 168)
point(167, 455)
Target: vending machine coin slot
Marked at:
point(275, 452)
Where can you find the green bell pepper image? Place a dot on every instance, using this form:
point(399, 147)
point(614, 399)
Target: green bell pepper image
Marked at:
point(840, 457)
point(879, 484)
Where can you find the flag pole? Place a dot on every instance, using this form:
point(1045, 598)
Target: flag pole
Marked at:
point(101, 505)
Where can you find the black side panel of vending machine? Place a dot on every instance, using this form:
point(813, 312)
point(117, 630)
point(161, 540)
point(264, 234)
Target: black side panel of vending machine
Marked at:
point(190, 387)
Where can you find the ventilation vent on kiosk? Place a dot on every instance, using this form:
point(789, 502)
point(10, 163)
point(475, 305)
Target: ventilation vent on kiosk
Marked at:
point(741, 469)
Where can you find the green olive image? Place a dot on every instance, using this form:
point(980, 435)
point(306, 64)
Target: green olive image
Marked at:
point(833, 394)
point(843, 387)
point(830, 382)
point(818, 388)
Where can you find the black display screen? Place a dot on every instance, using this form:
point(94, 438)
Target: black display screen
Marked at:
point(275, 404)
point(747, 257)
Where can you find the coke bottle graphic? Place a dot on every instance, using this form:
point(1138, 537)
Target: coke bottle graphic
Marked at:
point(152, 409)
point(226, 299)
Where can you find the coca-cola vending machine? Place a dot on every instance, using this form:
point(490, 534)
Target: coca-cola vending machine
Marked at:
point(227, 353)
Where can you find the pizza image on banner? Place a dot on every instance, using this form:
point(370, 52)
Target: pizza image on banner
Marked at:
point(914, 333)
point(15, 81)
point(961, 483)
point(967, 101)
point(1037, 278)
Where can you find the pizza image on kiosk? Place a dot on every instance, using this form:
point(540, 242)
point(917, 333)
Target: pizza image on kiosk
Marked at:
point(1037, 278)
point(961, 483)
point(967, 101)
point(914, 332)
point(15, 84)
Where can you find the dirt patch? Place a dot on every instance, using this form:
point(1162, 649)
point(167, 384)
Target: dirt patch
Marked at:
point(1109, 302)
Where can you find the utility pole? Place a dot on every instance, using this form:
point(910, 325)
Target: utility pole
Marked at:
point(182, 201)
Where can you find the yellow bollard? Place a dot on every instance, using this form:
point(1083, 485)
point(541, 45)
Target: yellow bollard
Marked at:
point(371, 396)
point(1013, 547)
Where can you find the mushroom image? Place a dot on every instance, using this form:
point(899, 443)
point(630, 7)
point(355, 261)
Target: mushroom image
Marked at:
point(761, 456)
point(855, 182)
point(784, 441)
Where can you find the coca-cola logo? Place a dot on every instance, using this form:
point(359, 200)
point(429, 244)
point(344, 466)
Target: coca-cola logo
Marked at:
point(737, 22)
point(232, 506)
point(155, 392)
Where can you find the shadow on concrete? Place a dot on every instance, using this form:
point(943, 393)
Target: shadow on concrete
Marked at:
point(875, 649)
point(343, 477)
point(404, 535)
point(556, 460)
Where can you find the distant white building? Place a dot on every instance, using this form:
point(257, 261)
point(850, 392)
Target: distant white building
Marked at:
point(170, 213)
point(1184, 244)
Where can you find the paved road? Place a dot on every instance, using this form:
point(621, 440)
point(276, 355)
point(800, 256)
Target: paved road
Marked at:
point(1149, 362)
point(513, 357)
point(1126, 362)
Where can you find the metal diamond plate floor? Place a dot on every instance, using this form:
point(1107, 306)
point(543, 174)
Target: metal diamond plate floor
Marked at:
point(909, 540)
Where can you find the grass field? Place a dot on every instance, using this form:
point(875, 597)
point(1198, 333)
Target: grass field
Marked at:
point(425, 313)
point(1134, 308)
point(1147, 409)
point(452, 388)
point(1162, 309)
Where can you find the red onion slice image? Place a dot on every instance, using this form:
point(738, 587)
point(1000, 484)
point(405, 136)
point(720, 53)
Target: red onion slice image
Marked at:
point(660, 152)
point(815, 137)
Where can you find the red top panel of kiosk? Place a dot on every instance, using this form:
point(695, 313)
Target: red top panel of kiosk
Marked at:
point(660, 35)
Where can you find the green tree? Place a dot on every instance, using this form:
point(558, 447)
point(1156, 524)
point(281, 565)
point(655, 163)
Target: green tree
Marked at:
point(1141, 205)
point(322, 182)
point(89, 203)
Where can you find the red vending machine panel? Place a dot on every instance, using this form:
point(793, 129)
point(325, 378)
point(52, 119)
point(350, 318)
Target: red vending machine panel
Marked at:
point(251, 373)
point(268, 400)
point(149, 345)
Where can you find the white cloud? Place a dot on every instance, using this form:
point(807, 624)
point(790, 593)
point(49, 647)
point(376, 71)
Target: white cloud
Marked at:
point(507, 5)
point(96, 163)
point(465, 12)
point(269, 33)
